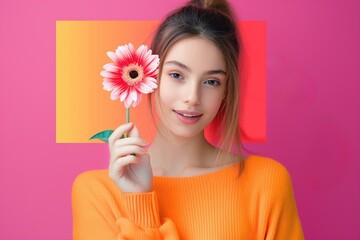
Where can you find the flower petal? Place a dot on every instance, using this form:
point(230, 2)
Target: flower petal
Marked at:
point(133, 94)
point(130, 46)
point(124, 95)
point(142, 87)
point(150, 82)
point(135, 103)
point(109, 84)
point(151, 67)
point(107, 74)
point(112, 56)
point(153, 74)
point(128, 101)
point(150, 59)
point(125, 53)
point(140, 54)
point(126, 104)
point(147, 58)
point(138, 100)
point(112, 67)
point(115, 94)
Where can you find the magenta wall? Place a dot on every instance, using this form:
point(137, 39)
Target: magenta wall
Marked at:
point(313, 82)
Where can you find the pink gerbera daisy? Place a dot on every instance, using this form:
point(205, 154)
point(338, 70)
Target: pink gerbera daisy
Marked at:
point(131, 73)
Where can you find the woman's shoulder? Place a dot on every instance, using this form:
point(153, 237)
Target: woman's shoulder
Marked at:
point(265, 171)
point(91, 175)
point(91, 180)
point(263, 163)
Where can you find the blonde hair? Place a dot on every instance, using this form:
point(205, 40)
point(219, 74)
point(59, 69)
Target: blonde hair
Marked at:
point(212, 20)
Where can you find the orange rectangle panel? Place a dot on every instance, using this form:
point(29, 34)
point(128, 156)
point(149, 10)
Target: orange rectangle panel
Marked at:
point(83, 108)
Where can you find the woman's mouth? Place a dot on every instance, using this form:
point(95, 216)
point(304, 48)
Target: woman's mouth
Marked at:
point(188, 117)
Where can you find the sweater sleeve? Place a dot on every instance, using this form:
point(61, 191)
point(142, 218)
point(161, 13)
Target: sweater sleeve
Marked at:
point(101, 211)
point(281, 217)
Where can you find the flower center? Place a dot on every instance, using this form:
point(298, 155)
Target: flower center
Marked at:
point(132, 74)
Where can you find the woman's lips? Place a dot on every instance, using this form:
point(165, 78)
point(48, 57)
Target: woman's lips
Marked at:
point(188, 117)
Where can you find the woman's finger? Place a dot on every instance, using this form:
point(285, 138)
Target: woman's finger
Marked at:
point(129, 141)
point(121, 130)
point(134, 132)
point(125, 151)
point(118, 166)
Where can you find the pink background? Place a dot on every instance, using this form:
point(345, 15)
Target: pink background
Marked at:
point(313, 82)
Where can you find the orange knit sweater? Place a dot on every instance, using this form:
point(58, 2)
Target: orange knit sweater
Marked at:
point(258, 204)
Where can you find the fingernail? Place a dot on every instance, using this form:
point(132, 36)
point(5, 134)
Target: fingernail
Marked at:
point(144, 143)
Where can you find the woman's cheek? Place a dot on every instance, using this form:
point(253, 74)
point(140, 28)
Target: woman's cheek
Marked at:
point(166, 93)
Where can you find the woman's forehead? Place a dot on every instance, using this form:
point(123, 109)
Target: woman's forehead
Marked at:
point(196, 52)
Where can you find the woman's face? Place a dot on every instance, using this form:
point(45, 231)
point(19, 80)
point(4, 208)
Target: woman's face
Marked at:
point(192, 86)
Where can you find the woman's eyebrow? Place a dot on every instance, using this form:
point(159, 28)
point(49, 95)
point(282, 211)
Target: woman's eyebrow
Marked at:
point(183, 66)
point(215, 72)
point(179, 64)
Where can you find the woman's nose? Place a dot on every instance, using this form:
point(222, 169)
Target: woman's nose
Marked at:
point(192, 94)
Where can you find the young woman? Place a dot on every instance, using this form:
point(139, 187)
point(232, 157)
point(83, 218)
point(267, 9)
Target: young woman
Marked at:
point(183, 187)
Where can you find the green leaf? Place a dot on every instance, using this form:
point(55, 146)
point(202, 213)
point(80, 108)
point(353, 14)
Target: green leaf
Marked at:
point(103, 136)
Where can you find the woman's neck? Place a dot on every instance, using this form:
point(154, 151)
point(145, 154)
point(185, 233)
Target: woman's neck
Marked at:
point(175, 156)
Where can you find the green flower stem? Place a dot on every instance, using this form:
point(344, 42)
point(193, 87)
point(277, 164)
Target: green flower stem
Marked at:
point(128, 115)
point(127, 121)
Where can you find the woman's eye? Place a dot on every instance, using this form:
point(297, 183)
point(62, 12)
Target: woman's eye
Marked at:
point(175, 75)
point(212, 82)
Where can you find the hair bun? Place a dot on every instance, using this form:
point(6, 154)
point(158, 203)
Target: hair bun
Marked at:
point(220, 5)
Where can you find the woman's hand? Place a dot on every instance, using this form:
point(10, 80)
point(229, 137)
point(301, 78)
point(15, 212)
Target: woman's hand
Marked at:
point(129, 164)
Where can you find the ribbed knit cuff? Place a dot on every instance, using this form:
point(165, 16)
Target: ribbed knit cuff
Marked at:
point(143, 209)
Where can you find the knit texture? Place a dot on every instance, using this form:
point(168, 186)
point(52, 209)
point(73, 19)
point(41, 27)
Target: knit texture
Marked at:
point(257, 204)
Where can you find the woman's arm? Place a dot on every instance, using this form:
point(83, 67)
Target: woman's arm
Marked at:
point(121, 204)
point(279, 216)
point(101, 211)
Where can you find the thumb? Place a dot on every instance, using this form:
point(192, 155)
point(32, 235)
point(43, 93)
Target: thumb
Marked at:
point(134, 132)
